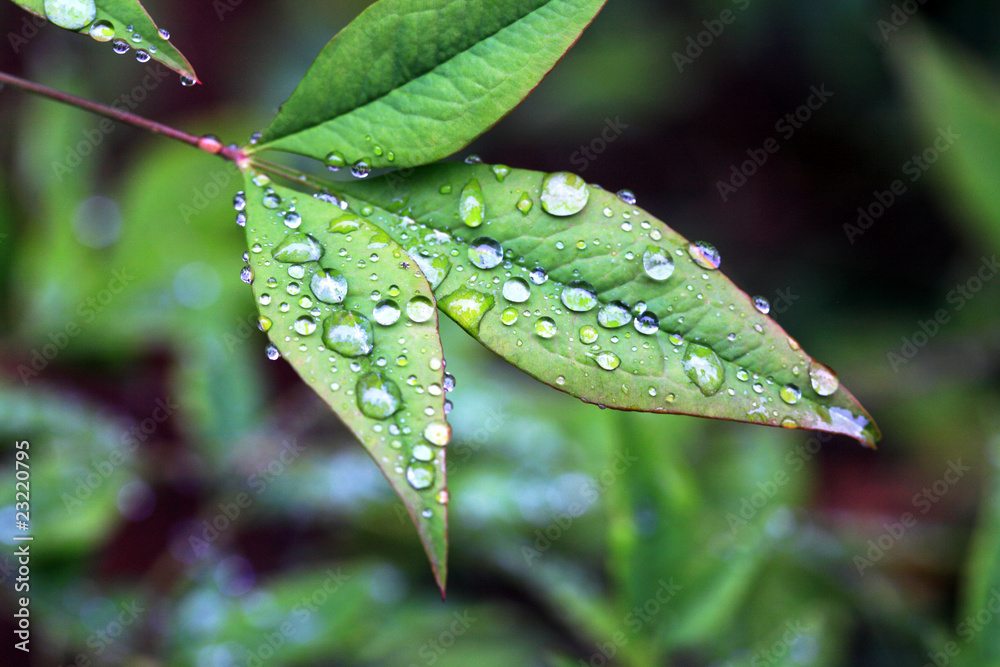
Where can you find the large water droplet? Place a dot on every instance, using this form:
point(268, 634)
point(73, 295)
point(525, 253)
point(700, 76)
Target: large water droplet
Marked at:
point(485, 252)
point(790, 394)
point(500, 171)
point(509, 316)
point(467, 307)
point(420, 475)
point(538, 276)
point(762, 304)
point(545, 327)
point(70, 14)
point(824, 381)
point(438, 433)
point(613, 315)
point(419, 309)
point(349, 334)
point(378, 396)
point(435, 269)
point(588, 334)
point(516, 290)
point(304, 325)
point(120, 46)
point(657, 263)
point(609, 361)
point(102, 31)
point(298, 248)
point(579, 296)
point(360, 169)
point(704, 368)
point(472, 204)
point(335, 161)
point(564, 193)
point(329, 286)
point(704, 255)
point(386, 312)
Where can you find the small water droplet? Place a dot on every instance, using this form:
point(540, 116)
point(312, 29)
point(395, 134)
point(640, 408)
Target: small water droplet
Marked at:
point(545, 327)
point(579, 296)
point(240, 201)
point(420, 475)
point(657, 263)
point(272, 352)
point(264, 323)
point(164, 34)
point(378, 396)
point(614, 314)
point(293, 220)
point(516, 290)
point(467, 307)
point(335, 161)
point(348, 334)
point(419, 309)
point(500, 171)
point(538, 276)
point(607, 360)
point(508, 316)
point(647, 323)
point(102, 31)
point(142, 56)
point(472, 204)
point(246, 275)
point(564, 193)
point(704, 255)
point(298, 248)
point(449, 382)
point(485, 252)
point(627, 196)
point(704, 368)
point(588, 334)
point(120, 46)
point(360, 169)
point(386, 312)
point(422, 452)
point(438, 433)
point(762, 304)
point(473, 159)
point(304, 325)
point(823, 380)
point(524, 204)
point(271, 199)
point(329, 286)
point(790, 394)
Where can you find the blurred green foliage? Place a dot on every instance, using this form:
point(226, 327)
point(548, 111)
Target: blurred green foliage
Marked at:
point(238, 521)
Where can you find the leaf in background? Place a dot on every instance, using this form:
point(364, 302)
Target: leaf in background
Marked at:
point(355, 317)
point(409, 82)
point(124, 21)
point(596, 297)
point(950, 91)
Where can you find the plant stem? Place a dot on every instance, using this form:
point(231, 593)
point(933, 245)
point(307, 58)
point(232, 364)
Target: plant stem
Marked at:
point(208, 144)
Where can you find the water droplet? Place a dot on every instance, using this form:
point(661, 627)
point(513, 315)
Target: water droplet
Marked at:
point(449, 382)
point(790, 394)
point(588, 334)
point(265, 299)
point(293, 220)
point(467, 307)
point(500, 171)
point(329, 286)
point(613, 315)
point(538, 276)
point(264, 323)
point(524, 204)
point(657, 263)
point(762, 304)
point(564, 193)
point(120, 46)
point(304, 325)
point(545, 327)
point(516, 290)
point(164, 34)
point(823, 380)
point(386, 312)
point(378, 396)
point(509, 316)
point(445, 189)
point(472, 158)
point(360, 169)
point(579, 296)
point(348, 334)
point(485, 252)
point(246, 275)
point(102, 31)
point(438, 433)
point(704, 368)
point(346, 224)
point(647, 323)
point(271, 199)
point(142, 56)
point(419, 309)
point(240, 201)
point(187, 81)
point(298, 248)
point(241, 219)
point(335, 161)
point(472, 204)
point(609, 361)
point(435, 269)
point(422, 452)
point(272, 352)
point(627, 196)
point(704, 255)
point(70, 14)
point(297, 271)
point(420, 475)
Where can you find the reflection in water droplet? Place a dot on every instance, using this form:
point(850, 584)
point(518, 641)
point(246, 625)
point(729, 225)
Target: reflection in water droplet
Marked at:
point(102, 31)
point(70, 14)
point(386, 312)
point(613, 315)
point(378, 396)
point(472, 204)
point(304, 325)
point(627, 196)
point(579, 296)
point(564, 193)
point(516, 290)
point(609, 361)
point(422, 452)
point(335, 161)
point(524, 204)
point(420, 475)
point(349, 334)
point(500, 171)
point(704, 368)
point(298, 248)
point(329, 286)
point(360, 169)
point(509, 316)
point(272, 352)
point(823, 380)
point(264, 323)
point(790, 394)
point(485, 252)
point(419, 309)
point(704, 255)
point(438, 433)
point(647, 323)
point(762, 304)
point(538, 276)
point(120, 46)
point(545, 327)
point(588, 334)
point(467, 307)
point(246, 275)
point(657, 263)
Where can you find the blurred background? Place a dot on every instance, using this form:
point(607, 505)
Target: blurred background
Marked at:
point(130, 361)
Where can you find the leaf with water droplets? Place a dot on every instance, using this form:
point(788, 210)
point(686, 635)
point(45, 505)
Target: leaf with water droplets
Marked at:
point(593, 295)
point(125, 23)
point(355, 317)
point(408, 82)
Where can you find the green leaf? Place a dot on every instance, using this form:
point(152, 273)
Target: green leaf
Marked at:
point(355, 317)
point(412, 81)
point(712, 354)
point(107, 20)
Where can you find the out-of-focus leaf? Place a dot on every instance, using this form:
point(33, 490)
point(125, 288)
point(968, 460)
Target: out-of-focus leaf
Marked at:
point(955, 99)
point(409, 82)
point(598, 298)
point(374, 356)
point(124, 21)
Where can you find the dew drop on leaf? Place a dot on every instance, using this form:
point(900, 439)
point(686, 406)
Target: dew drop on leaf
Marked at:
point(613, 315)
point(422, 452)
point(485, 252)
point(564, 193)
point(704, 368)
point(579, 296)
point(500, 171)
point(609, 361)
point(472, 204)
point(419, 309)
point(524, 204)
point(298, 248)
point(762, 304)
point(120, 46)
point(627, 196)
point(790, 394)
point(823, 380)
point(438, 433)
point(348, 334)
point(435, 269)
point(386, 312)
point(240, 201)
point(704, 255)
point(246, 275)
point(335, 161)
point(538, 276)
point(378, 396)
point(329, 286)
point(588, 334)
point(467, 307)
point(657, 263)
point(360, 169)
point(516, 290)
point(647, 323)
point(102, 31)
point(70, 14)
point(304, 325)
point(545, 327)
point(142, 56)
point(272, 352)
point(420, 475)
point(508, 316)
